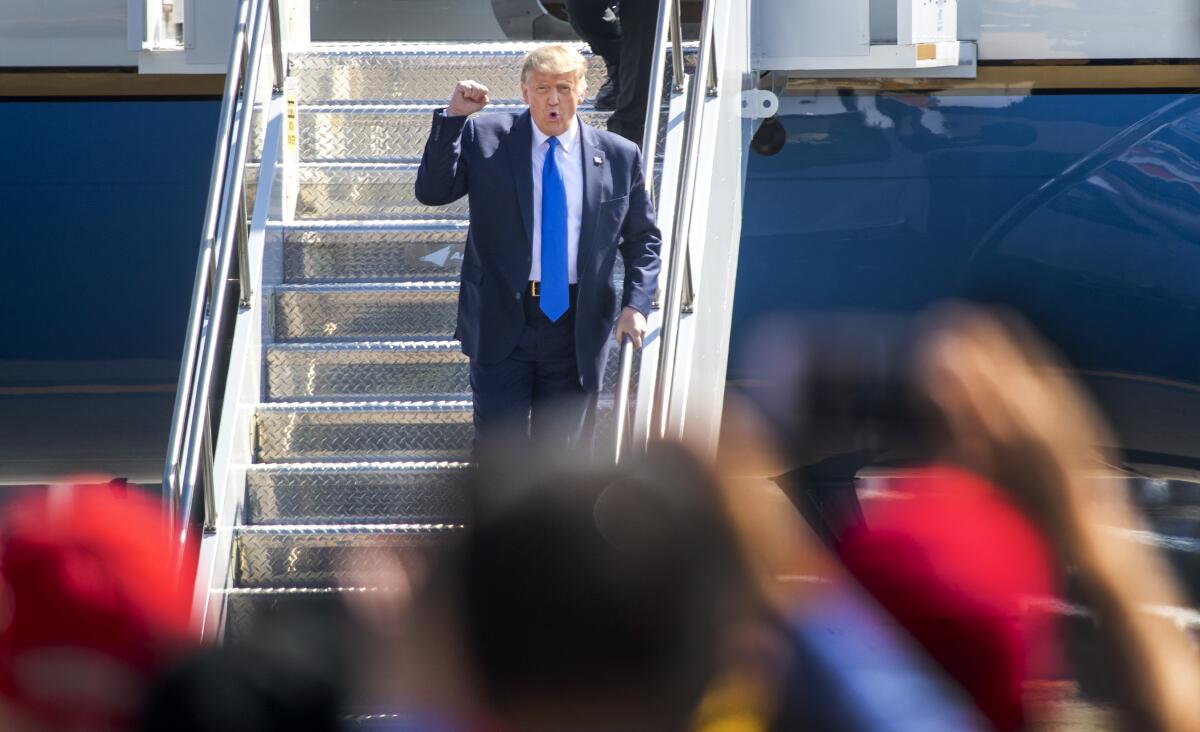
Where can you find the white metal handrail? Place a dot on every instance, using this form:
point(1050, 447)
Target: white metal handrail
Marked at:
point(624, 381)
point(190, 445)
point(677, 271)
point(668, 24)
point(668, 21)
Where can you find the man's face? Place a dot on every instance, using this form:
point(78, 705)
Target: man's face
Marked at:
point(552, 99)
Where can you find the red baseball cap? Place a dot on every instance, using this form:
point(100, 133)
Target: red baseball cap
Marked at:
point(91, 607)
point(956, 564)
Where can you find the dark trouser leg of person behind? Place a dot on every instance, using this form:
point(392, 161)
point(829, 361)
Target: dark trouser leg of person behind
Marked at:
point(596, 24)
point(639, 21)
point(587, 18)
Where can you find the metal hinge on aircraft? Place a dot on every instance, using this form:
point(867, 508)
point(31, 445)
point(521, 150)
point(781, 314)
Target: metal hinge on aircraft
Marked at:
point(759, 104)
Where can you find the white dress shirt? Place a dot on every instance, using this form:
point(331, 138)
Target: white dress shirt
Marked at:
point(570, 165)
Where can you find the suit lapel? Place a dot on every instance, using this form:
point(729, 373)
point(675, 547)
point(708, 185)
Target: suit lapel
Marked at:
point(520, 153)
point(594, 171)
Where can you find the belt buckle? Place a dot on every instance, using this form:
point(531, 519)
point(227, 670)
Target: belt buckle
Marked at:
point(535, 288)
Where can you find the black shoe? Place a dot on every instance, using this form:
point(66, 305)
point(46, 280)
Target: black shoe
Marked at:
point(606, 96)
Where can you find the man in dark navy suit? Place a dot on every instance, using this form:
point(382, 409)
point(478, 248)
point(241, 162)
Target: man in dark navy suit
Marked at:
point(553, 201)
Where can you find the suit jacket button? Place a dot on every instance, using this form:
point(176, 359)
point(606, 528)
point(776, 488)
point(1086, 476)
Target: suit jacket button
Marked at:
point(518, 295)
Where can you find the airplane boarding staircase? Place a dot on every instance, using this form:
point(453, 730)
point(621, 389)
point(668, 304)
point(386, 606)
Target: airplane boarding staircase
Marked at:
point(366, 416)
point(324, 413)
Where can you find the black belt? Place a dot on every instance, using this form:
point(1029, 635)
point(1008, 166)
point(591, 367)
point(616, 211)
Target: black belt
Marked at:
point(535, 289)
point(533, 302)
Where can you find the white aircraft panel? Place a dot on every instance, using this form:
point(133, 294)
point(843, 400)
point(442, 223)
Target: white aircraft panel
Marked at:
point(64, 33)
point(1082, 29)
point(1005, 29)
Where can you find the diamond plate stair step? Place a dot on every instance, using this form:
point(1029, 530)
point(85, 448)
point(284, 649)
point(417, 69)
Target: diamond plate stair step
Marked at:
point(415, 72)
point(364, 431)
point(366, 190)
point(248, 610)
point(325, 555)
point(330, 493)
point(379, 311)
point(386, 722)
point(383, 369)
point(380, 250)
point(366, 370)
point(361, 190)
point(358, 251)
point(380, 132)
point(349, 191)
point(386, 371)
point(371, 132)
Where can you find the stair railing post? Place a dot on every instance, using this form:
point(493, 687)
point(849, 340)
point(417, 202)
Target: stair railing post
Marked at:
point(712, 77)
point(277, 48)
point(206, 455)
point(676, 46)
point(243, 247)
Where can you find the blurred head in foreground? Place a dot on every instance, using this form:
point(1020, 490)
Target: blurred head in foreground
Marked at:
point(90, 607)
point(594, 596)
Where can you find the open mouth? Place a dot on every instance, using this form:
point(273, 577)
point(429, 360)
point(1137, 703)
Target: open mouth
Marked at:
point(553, 115)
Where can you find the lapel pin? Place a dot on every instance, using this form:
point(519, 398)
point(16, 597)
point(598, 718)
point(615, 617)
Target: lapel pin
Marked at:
point(597, 160)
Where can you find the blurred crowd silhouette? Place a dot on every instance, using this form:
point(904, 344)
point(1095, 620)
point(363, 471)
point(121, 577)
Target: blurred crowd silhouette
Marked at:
point(912, 526)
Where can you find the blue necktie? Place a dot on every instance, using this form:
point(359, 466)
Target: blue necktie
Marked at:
point(555, 294)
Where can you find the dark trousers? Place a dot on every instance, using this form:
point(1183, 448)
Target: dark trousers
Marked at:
point(587, 18)
point(535, 391)
point(629, 46)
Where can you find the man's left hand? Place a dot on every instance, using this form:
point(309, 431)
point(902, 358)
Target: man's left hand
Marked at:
point(633, 324)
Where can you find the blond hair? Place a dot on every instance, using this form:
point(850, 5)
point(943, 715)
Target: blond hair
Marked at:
point(557, 59)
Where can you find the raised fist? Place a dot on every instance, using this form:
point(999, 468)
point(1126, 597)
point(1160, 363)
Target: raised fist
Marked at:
point(468, 97)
